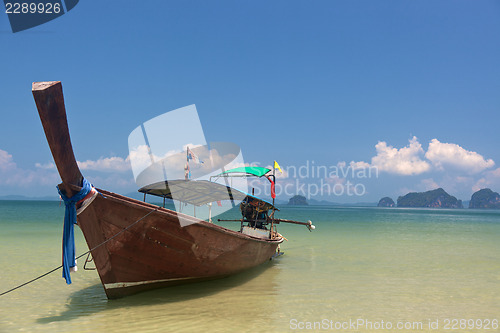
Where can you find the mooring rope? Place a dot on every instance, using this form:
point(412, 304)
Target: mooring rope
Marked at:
point(94, 248)
point(69, 260)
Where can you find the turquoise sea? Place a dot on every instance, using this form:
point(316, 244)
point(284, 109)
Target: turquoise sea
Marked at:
point(361, 270)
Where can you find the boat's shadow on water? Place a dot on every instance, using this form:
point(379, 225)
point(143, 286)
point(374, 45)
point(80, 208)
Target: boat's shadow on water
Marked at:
point(93, 300)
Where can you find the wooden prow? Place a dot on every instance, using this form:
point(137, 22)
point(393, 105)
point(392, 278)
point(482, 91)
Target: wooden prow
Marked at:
point(49, 101)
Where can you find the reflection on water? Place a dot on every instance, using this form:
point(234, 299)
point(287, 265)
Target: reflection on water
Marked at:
point(178, 306)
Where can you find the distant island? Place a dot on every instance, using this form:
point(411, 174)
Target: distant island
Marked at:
point(485, 198)
point(297, 200)
point(386, 202)
point(438, 198)
point(432, 199)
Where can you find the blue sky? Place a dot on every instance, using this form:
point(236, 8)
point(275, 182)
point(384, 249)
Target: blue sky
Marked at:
point(409, 87)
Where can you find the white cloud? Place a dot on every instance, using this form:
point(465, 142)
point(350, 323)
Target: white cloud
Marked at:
point(480, 184)
point(334, 180)
point(413, 160)
point(185, 147)
point(357, 165)
point(403, 161)
point(495, 173)
point(429, 184)
point(490, 179)
point(46, 166)
point(14, 179)
point(106, 164)
point(444, 155)
point(13, 176)
point(6, 162)
point(103, 164)
point(280, 175)
point(113, 182)
point(458, 186)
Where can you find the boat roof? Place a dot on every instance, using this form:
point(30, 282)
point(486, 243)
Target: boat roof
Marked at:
point(198, 192)
point(245, 171)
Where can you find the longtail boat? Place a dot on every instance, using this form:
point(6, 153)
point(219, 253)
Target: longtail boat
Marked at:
point(137, 246)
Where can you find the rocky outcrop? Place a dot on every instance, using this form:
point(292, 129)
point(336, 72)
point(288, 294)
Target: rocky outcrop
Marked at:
point(298, 200)
point(485, 198)
point(432, 199)
point(386, 202)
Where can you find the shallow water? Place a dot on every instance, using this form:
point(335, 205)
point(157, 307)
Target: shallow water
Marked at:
point(367, 266)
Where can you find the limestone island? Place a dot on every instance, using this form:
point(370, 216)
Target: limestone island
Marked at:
point(386, 202)
point(431, 199)
point(485, 198)
point(297, 200)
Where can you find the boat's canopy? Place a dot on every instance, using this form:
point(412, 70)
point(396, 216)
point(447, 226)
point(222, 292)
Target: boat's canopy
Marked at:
point(245, 171)
point(199, 192)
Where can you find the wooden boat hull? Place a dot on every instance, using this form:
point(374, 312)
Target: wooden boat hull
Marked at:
point(157, 251)
point(135, 245)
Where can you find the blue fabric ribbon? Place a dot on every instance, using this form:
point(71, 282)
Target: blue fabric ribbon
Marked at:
point(68, 229)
